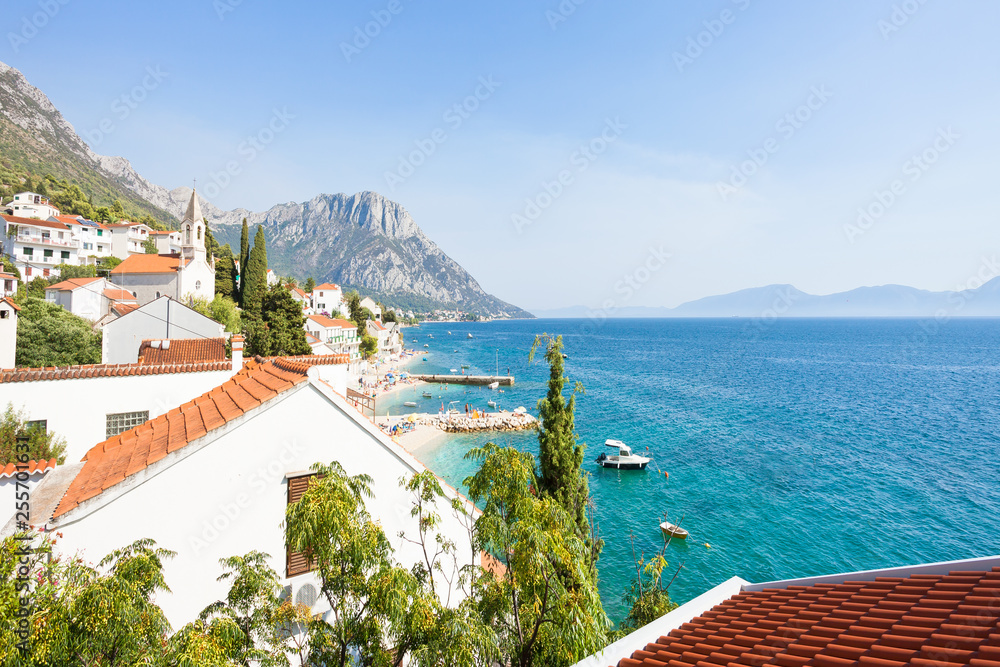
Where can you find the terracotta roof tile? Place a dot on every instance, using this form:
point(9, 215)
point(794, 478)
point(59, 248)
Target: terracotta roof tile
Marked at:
point(31, 467)
point(182, 351)
point(108, 370)
point(72, 284)
point(51, 224)
point(142, 263)
point(111, 462)
point(921, 620)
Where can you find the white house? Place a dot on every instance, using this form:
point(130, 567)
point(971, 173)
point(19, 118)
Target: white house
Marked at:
point(272, 278)
point(8, 284)
point(386, 335)
point(159, 319)
point(8, 332)
point(37, 246)
point(127, 238)
point(167, 242)
point(92, 238)
point(32, 205)
point(341, 336)
point(183, 276)
point(373, 306)
point(212, 478)
point(304, 299)
point(80, 296)
point(327, 299)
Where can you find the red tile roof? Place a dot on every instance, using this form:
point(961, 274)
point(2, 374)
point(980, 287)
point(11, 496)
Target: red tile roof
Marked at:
point(320, 359)
point(923, 620)
point(157, 232)
point(107, 370)
point(299, 293)
point(119, 295)
point(34, 222)
point(72, 284)
point(141, 263)
point(32, 467)
point(7, 275)
point(70, 219)
point(10, 302)
point(182, 351)
point(330, 323)
point(122, 456)
point(329, 286)
point(124, 308)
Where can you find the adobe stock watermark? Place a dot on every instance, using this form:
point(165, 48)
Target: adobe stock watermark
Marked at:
point(257, 484)
point(363, 35)
point(123, 106)
point(714, 28)
point(900, 16)
point(223, 7)
point(630, 284)
point(580, 160)
point(912, 171)
point(786, 127)
point(31, 25)
point(562, 13)
point(249, 149)
point(454, 116)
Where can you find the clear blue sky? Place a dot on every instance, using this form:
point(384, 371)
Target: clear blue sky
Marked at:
point(678, 129)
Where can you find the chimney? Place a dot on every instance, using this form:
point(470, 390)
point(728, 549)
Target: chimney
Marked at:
point(237, 352)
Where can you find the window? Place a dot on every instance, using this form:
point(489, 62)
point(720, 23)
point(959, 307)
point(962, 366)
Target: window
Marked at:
point(38, 425)
point(46, 253)
point(28, 252)
point(123, 421)
point(88, 246)
point(197, 284)
point(100, 232)
point(4, 314)
point(64, 254)
point(295, 561)
point(199, 233)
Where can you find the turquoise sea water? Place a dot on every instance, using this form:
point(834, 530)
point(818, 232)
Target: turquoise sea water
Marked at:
point(794, 448)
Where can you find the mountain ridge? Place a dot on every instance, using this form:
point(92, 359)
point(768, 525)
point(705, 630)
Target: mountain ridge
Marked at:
point(784, 300)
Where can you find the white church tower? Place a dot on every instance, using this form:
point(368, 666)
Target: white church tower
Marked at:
point(193, 230)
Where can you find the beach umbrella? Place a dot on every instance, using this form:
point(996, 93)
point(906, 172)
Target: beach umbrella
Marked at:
point(411, 417)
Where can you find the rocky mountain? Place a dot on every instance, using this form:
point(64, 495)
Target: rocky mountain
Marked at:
point(35, 136)
point(364, 241)
point(979, 299)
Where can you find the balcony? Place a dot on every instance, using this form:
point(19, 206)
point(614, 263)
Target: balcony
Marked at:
point(42, 240)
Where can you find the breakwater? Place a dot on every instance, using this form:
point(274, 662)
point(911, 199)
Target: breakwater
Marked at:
point(503, 380)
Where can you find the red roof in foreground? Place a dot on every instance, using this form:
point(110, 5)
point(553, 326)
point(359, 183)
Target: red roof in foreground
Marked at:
point(124, 308)
point(110, 462)
point(32, 468)
point(107, 370)
point(118, 294)
point(923, 620)
point(182, 351)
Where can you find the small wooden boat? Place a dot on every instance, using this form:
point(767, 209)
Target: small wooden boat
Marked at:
point(410, 404)
point(670, 530)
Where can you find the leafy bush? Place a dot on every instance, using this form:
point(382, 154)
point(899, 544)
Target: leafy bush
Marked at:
point(47, 335)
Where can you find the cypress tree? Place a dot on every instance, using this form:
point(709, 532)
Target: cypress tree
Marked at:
point(560, 457)
point(255, 276)
point(285, 323)
point(244, 257)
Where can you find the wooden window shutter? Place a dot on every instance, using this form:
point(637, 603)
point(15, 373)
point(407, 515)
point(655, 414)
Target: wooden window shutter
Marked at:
point(296, 562)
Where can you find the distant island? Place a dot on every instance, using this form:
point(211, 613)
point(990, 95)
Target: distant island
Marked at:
point(980, 298)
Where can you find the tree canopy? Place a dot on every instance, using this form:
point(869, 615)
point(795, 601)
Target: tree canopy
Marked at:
point(42, 444)
point(48, 335)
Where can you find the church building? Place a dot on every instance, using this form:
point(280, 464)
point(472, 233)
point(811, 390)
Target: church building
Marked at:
point(182, 275)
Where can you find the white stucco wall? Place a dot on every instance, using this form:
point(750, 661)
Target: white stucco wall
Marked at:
point(123, 336)
point(77, 409)
point(9, 491)
point(197, 280)
point(86, 301)
point(8, 335)
point(229, 497)
point(148, 286)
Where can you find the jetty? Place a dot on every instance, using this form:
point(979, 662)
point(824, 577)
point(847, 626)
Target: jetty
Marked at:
point(502, 380)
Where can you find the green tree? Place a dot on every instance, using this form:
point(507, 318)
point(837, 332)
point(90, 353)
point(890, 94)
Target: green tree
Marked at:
point(222, 309)
point(285, 323)
point(69, 271)
point(560, 457)
point(149, 245)
point(545, 608)
point(47, 335)
point(225, 276)
point(352, 555)
point(310, 285)
point(42, 444)
point(647, 597)
point(9, 266)
point(244, 256)
point(388, 316)
point(118, 210)
point(36, 288)
point(255, 275)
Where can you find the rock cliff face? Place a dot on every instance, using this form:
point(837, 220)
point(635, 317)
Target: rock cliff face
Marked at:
point(362, 240)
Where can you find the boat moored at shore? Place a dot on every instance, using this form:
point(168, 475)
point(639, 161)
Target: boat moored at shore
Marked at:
point(624, 459)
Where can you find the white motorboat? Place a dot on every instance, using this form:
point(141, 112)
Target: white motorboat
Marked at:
point(469, 336)
point(493, 385)
point(410, 404)
point(624, 459)
point(491, 403)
